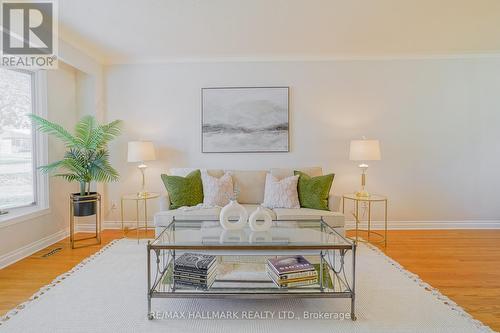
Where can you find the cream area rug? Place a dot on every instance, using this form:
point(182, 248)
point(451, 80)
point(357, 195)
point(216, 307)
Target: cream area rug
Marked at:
point(107, 293)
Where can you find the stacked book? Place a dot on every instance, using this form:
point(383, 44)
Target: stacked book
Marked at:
point(195, 270)
point(291, 271)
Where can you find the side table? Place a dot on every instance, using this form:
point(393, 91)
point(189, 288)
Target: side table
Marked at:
point(138, 198)
point(367, 201)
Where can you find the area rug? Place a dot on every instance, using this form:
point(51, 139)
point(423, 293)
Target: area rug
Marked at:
point(107, 293)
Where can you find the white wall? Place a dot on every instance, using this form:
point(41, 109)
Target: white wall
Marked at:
point(438, 121)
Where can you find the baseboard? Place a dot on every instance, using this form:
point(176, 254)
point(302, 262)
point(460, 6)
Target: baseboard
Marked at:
point(375, 225)
point(429, 225)
point(27, 250)
point(90, 227)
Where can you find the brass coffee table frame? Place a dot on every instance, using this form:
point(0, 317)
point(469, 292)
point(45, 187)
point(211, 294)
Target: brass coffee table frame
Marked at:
point(382, 238)
point(161, 259)
point(91, 198)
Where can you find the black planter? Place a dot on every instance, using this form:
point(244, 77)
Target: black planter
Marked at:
point(83, 206)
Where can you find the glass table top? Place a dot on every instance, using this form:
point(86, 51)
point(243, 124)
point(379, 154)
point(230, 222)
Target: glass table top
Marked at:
point(137, 196)
point(283, 235)
point(371, 197)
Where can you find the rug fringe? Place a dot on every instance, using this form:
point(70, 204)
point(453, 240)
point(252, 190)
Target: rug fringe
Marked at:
point(55, 282)
point(434, 291)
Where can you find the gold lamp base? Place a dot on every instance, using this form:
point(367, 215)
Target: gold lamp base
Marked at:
point(363, 193)
point(142, 193)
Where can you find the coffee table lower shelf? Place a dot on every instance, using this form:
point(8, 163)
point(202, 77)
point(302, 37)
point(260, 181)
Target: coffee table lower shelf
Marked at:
point(335, 283)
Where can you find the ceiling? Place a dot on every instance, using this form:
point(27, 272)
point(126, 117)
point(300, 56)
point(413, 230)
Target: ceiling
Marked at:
point(136, 31)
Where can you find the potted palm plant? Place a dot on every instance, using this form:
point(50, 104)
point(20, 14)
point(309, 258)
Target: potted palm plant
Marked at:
point(86, 159)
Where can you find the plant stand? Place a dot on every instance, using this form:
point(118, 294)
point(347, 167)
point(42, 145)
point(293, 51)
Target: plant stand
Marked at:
point(94, 198)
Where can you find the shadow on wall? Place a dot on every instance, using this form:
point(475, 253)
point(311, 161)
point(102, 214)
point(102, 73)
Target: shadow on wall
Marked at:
point(168, 157)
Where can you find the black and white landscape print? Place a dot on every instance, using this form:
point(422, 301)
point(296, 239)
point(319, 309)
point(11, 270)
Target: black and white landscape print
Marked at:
point(245, 119)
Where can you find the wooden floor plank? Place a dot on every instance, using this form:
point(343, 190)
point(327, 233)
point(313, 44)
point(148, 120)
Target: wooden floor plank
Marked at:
point(462, 264)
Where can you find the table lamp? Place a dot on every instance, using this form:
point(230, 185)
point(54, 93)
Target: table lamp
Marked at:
point(141, 151)
point(364, 150)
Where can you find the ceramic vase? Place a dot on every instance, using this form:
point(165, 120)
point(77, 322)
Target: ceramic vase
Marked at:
point(233, 210)
point(260, 214)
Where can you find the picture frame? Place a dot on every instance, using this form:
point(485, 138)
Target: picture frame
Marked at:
point(245, 119)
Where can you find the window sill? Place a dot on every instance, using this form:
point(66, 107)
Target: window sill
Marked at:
point(19, 215)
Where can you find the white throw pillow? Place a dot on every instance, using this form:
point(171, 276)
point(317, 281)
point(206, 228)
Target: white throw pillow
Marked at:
point(217, 191)
point(281, 193)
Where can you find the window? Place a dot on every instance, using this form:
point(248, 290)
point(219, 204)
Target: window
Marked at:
point(19, 147)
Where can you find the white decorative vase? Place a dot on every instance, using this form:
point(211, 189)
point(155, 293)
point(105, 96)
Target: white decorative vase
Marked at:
point(260, 214)
point(231, 210)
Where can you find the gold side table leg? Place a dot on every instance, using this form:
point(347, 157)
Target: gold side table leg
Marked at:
point(121, 213)
point(99, 223)
point(385, 240)
point(369, 218)
point(145, 216)
point(71, 225)
point(137, 219)
point(357, 219)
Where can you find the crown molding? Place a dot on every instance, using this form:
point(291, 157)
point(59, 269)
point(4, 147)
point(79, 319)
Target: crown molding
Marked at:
point(297, 58)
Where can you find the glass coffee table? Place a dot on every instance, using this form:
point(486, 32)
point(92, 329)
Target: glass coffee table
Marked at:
point(241, 260)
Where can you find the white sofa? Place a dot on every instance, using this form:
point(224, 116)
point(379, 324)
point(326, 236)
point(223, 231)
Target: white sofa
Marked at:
point(250, 185)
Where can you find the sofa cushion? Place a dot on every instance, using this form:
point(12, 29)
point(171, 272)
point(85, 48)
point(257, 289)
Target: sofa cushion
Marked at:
point(281, 193)
point(163, 218)
point(334, 219)
point(184, 191)
point(314, 191)
point(250, 185)
point(183, 172)
point(281, 173)
point(216, 191)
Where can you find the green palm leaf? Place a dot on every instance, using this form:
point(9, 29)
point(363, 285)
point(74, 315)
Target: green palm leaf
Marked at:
point(83, 129)
point(110, 131)
point(87, 158)
point(50, 167)
point(51, 128)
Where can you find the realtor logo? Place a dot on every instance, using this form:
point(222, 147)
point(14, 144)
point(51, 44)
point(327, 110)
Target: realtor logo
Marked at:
point(29, 38)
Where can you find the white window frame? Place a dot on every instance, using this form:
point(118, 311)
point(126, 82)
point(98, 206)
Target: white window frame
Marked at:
point(40, 157)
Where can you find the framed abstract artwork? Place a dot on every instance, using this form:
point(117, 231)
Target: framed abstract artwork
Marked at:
point(245, 120)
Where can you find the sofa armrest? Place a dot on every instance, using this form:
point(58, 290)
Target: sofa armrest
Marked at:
point(164, 202)
point(334, 202)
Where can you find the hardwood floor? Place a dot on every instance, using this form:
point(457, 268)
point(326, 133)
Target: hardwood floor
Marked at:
point(462, 264)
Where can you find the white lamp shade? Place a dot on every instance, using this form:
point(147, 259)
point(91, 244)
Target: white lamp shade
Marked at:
point(140, 151)
point(364, 150)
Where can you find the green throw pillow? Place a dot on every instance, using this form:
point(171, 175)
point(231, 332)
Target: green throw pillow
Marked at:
point(184, 191)
point(314, 191)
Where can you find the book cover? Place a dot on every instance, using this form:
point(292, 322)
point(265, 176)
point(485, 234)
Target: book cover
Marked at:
point(194, 261)
point(192, 284)
point(195, 273)
point(297, 283)
point(291, 276)
point(193, 278)
point(290, 264)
